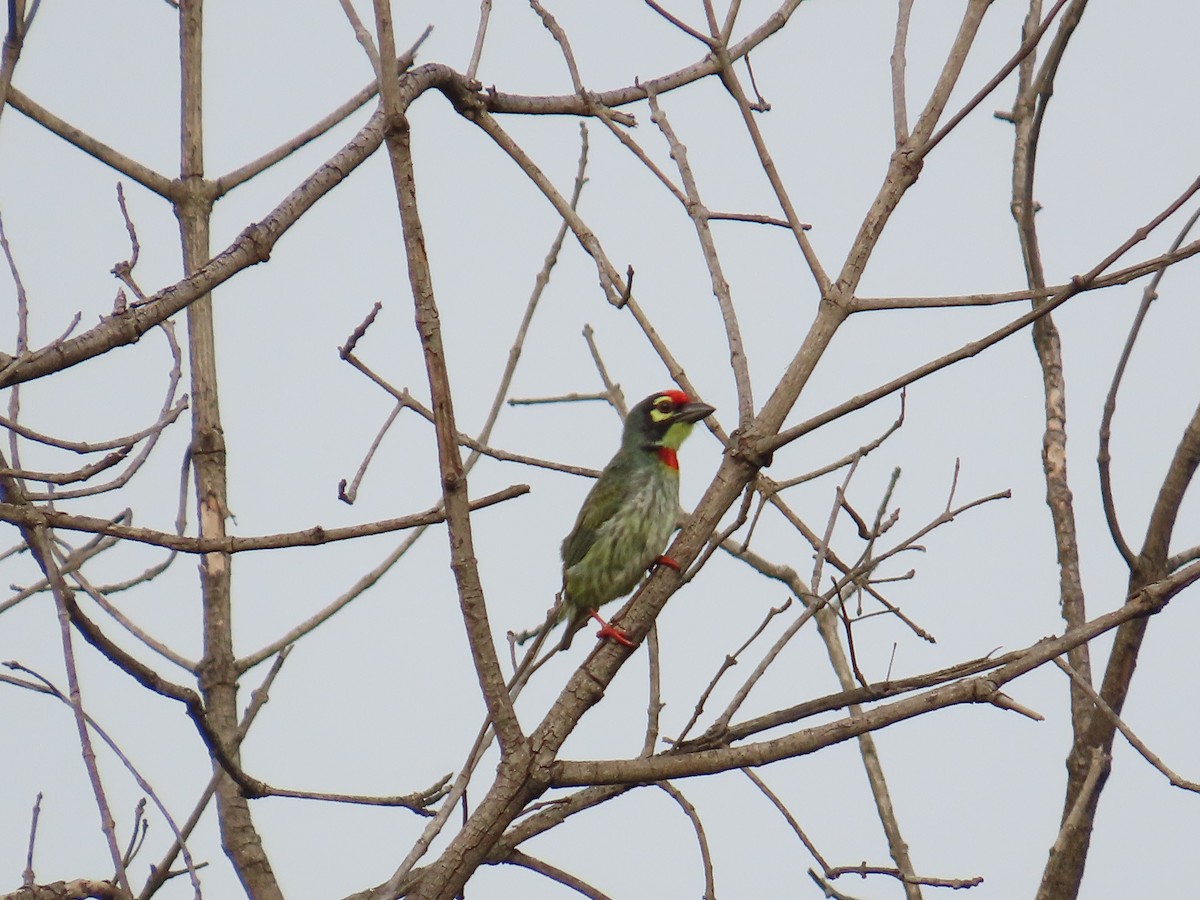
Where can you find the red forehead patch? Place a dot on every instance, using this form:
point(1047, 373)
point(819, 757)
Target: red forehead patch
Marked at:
point(678, 396)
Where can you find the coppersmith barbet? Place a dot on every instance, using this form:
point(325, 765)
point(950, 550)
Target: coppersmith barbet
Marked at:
point(629, 514)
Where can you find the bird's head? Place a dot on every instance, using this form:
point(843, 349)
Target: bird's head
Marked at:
point(664, 419)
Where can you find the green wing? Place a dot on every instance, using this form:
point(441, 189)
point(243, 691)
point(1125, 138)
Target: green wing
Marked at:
point(603, 501)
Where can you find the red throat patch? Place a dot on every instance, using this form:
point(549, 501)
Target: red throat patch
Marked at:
point(668, 458)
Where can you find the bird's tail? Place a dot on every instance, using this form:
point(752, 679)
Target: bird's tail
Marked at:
point(521, 637)
point(574, 625)
point(553, 616)
point(531, 663)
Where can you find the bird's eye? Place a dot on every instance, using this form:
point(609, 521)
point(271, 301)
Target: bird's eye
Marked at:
point(664, 404)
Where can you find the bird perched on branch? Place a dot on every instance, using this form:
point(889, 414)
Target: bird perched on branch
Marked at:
point(629, 514)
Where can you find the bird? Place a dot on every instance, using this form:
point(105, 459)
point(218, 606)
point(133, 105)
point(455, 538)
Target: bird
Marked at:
point(628, 515)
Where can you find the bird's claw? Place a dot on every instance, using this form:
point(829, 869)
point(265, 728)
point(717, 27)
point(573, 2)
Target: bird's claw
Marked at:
point(668, 562)
point(611, 631)
point(616, 634)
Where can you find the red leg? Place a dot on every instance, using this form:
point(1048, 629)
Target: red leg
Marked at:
point(611, 631)
point(668, 562)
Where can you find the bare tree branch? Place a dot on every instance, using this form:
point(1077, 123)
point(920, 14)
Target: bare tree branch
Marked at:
point(678, 764)
point(454, 486)
point(1078, 283)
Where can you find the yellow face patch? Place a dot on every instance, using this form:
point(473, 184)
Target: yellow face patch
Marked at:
point(663, 409)
point(676, 435)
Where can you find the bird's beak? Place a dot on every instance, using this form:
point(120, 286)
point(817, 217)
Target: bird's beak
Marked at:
point(694, 412)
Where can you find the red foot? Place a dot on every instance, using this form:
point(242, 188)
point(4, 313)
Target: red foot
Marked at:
point(611, 631)
point(668, 562)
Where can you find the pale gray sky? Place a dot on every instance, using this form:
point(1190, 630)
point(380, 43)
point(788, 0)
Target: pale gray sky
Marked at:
point(383, 700)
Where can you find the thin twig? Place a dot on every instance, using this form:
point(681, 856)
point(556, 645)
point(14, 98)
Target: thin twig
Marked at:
point(157, 646)
point(1022, 52)
point(1104, 455)
point(710, 889)
point(258, 698)
point(408, 400)
point(129, 167)
point(680, 24)
point(89, 550)
point(348, 494)
point(863, 870)
point(720, 286)
point(316, 535)
point(676, 764)
point(787, 815)
point(40, 545)
point(1118, 277)
point(729, 79)
point(731, 660)
point(1073, 288)
point(564, 45)
point(1137, 743)
point(563, 877)
point(485, 12)
point(140, 780)
point(899, 85)
point(362, 36)
point(654, 704)
point(22, 345)
point(239, 176)
point(27, 877)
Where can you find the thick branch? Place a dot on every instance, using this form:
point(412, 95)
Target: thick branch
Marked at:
point(454, 484)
